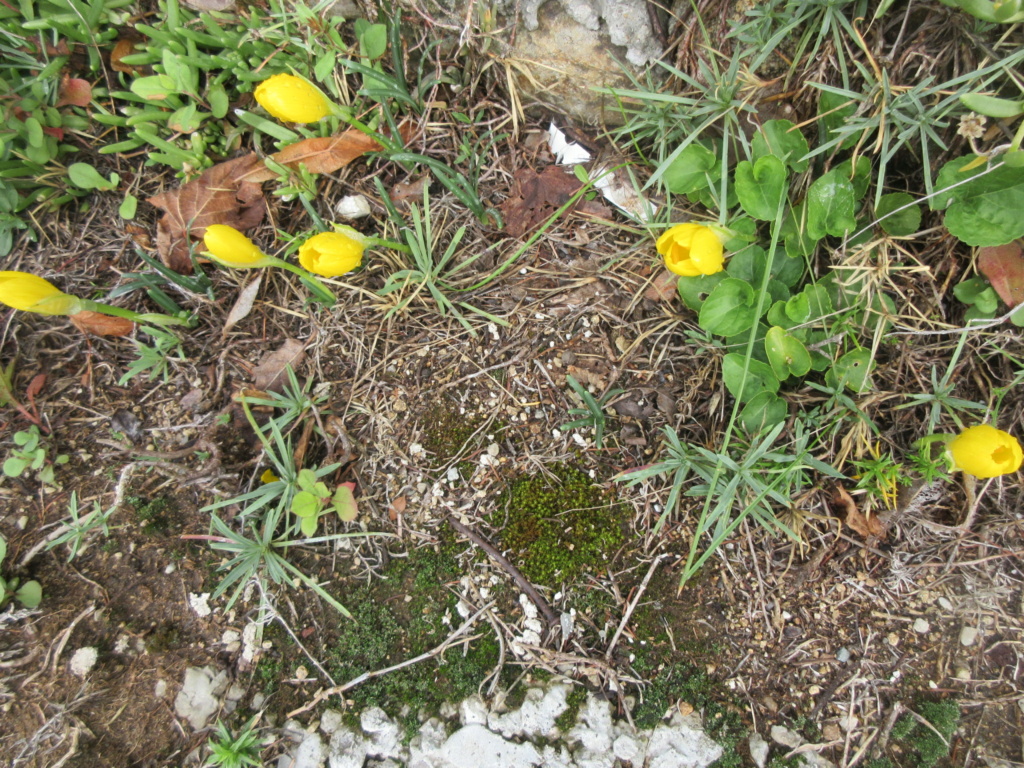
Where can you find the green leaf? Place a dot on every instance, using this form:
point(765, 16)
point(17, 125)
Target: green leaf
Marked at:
point(306, 479)
point(305, 504)
point(3, 549)
point(833, 111)
point(688, 173)
point(13, 467)
point(186, 119)
point(154, 87)
point(786, 354)
point(128, 206)
point(373, 39)
point(990, 106)
point(759, 377)
point(762, 412)
point(29, 594)
point(729, 309)
point(979, 292)
point(345, 502)
point(902, 224)
point(84, 176)
point(784, 140)
point(694, 290)
point(859, 175)
point(761, 187)
point(985, 209)
point(308, 525)
point(830, 206)
point(853, 369)
point(219, 101)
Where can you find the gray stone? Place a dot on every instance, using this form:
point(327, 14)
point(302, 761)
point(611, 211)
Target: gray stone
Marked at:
point(330, 721)
point(475, 746)
point(347, 750)
point(473, 711)
point(681, 743)
point(199, 697)
point(626, 22)
point(310, 753)
point(968, 635)
point(384, 735)
point(593, 734)
point(536, 716)
point(758, 749)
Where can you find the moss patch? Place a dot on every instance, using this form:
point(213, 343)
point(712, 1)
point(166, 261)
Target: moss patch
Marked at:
point(558, 530)
point(922, 744)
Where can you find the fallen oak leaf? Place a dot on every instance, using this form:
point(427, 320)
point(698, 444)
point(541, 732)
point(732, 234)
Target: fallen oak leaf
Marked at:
point(220, 195)
point(320, 155)
point(536, 196)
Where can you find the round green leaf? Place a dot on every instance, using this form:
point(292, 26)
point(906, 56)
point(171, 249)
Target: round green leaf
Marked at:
point(29, 594)
point(128, 206)
point(762, 412)
point(729, 309)
point(305, 504)
point(786, 354)
point(896, 222)
point(761, 187)
point(983, 206)
point(694, 290)
point(84, 176)
point(688, 172)
point(308, 525)
point(345, 503)
point(859, 175)
point(853, 369)
point(759, 377)
point(219, 101)
point(784, 140)
point(831, 206)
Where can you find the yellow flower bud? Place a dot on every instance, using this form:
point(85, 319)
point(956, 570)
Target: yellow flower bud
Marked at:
point(331, 254)
point(691, 250)
point(292, 99)
point(268, 476)
point(229, 246)
point(31, 293)
point(984, 451)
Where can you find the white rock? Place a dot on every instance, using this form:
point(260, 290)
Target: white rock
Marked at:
point(160, 689)
point(758, 749)
point(560, 758)
point(968, 635)
point(310, 753)
point(330, 721)
point(473, 711)
point(628, 749)
point(385, 737)
point(474, 746)
point(83, 660)
point(921, 626)
point(200, 604)
point(352, 207)
point(425, 748)
point(199, 697)
point(537, 715)
point(593, 734)
point(681, 743)
point(785, 737)
point(347, 749)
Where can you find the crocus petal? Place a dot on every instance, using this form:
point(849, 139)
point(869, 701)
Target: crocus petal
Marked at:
point(331, 254)
point(292, 99)
point(691, 250)
point(706, 252)
point(31, 293)
point(984, 451)
point(229, 246)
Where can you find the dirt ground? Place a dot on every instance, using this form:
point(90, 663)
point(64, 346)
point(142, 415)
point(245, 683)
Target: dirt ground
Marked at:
point(829, 635)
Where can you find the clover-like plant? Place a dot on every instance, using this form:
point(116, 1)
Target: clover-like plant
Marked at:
point(29, 594)
point(315, 499)
point(30, 454)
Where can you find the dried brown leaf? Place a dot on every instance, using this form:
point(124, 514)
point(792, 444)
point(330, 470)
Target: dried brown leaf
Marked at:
point(243, 304)
point(868, 526)
point(269, 375)
point(221, 195)
point(319, 155)
point(410, 191)
point(123, 47)
point(536, 196)
point(102, 325)
point(397, 507)
point(663, 287)
point(1003, 265)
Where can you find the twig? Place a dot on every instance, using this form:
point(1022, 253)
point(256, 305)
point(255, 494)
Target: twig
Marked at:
point(338, 689)
point(514, 572)
point(632, 607)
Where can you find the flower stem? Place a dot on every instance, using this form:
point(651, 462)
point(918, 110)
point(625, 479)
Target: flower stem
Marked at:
point(388, 244)
point(323, 295)
point(152, 318)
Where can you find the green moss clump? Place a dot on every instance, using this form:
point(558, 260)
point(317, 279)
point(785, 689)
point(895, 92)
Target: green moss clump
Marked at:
point(929, 749)
point(154, 513)
point(557, 531)
point(576, 698)
point(446, 432)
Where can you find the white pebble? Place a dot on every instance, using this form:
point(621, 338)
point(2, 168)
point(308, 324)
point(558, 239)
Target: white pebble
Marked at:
point(921, 626)
point(968, 635)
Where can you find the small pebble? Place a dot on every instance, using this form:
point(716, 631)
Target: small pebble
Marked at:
point(921, 626)
point(963, 673)
point(945, 604)
point(968, 635)
point(843, 655)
